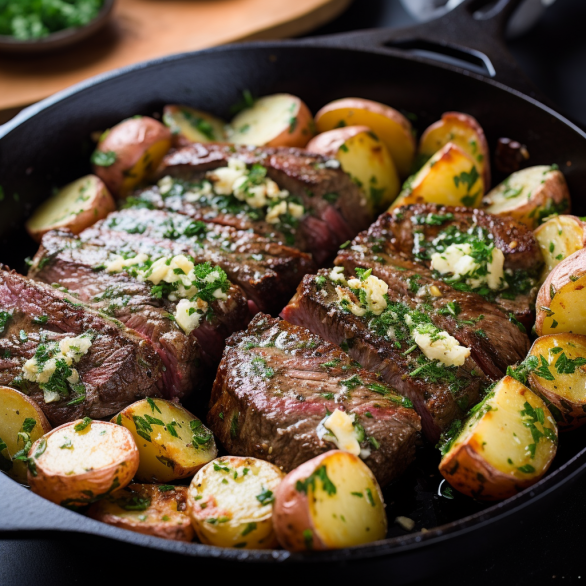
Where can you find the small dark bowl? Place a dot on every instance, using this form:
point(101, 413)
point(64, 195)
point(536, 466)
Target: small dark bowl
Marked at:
point(59, 39)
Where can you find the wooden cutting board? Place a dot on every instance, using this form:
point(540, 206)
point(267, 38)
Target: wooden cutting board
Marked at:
point(145, 29)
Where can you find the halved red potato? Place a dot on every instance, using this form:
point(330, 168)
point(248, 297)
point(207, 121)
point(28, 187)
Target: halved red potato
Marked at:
point(558, 238)
point(365, 158)
point(21, 424)
point(387, 123)
point(276, 120)
point(462, 130)
point(129, 152)
point(559, 377)
point(506, 445)
point(172, 442)
point(188, 125)
point(230, 502)
point(150, 509)
point(76, 207)
point(329, 502)
point(449, 178)
point(561, 301)
point(530, 195)
point(78, 463)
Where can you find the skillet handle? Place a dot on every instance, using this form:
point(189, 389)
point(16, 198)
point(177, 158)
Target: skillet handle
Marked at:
point(467, 37)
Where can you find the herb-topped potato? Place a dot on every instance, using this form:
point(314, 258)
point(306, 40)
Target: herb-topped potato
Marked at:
point(507, 443)
point(81, 462)
point(151, 509)
point(556, 370)
point(172, 442)
point(189, 125)
point(21, 424)
point(129, 152)
point(231, 500)
point(329, 502)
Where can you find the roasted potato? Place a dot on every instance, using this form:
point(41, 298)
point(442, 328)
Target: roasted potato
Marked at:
point(171, 441)
point(129, 152)
point(188, 125)
point(529, 196)
point(390, 126)
point(462, 130)
point(329, 502)
point(561, 301)
point(365, 158)
point(449, 178)
point(80, 462)
point(277, 120)
point(558, 375)
point(76, 207)
point(230, 502)
point(558, 238)
point(506, 445)
point(151, 509)
point(21, 424)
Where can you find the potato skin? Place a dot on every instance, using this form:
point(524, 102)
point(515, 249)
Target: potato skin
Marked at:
point(567, 281)
point(569, 414)
point(386, 122)
point(15, 407)
point(73, 489)
point(170, 503)
point(139, 145)
point(432, 139)
point(97, 208)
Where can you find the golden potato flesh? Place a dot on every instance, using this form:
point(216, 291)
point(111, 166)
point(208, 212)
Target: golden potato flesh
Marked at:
point(230, 502)
point(189, 125)
point(561, 300)
point(450, 178)
point(558, 238)
point(76, 207)
point(276, 120)
point(171, 441)
point(559, 376)
point(462, 130)
point(150, 509)
point(21, 424)
point(80, 462)
point(393, 129)
point(530, 195)
point(330, 502)
point(365, 158)
point(506, 445)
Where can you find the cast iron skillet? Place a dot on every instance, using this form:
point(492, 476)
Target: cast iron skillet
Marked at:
point(47, 145)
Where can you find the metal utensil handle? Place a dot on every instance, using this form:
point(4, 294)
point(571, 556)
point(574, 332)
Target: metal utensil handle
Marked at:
point(464, 30)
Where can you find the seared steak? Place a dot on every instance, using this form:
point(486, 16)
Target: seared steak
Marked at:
point(79, 264)
point(119, 367)
point(416, 232)
point(267, 271)
point(333, 207)
point(385, 343)
point(278, 383)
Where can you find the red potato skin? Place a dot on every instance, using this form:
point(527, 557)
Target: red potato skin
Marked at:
point(328, 143)
point(129, 140)
point(291, 510)
point(57, 487)
point(467, 120)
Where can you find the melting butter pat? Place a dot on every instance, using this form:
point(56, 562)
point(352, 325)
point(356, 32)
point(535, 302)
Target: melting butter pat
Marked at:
point(339, 429)
point(441, 346)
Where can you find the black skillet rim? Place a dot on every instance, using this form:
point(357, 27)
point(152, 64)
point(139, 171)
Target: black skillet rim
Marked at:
point(567, 472)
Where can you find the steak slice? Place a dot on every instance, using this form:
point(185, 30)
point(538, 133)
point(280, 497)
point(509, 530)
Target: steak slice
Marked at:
point(335, 209)
point(385, 345)
point(268, 272)
point(411, 231)
point(79, 265)
point(119, 368)
point(495, 341)
point(278, 382)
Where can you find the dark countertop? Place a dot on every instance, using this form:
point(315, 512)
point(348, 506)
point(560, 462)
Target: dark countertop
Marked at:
point(547, 551)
